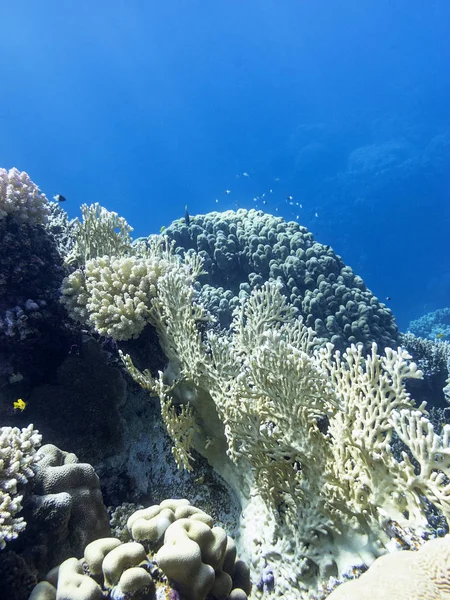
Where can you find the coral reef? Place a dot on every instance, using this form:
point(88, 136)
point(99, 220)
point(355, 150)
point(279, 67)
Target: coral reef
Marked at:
point(113, 294)
point(303, 435)
point(66, 504)
point(178, 546)
point(32, 332)
point(422, 575)
point(433, 326)
point(301, 430)
point(21, 198)
point(18, 460)
point(61, 229)
point(244, 249)
point(63, 510)
point(100, 233)
point(79, 408)
point(432, 356)
point(18, 580)
point(384, 159)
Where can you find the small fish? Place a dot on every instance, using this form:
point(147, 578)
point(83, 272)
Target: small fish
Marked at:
point(289, 198)
point(244, 174)
point(440, 335)
point(162, 228)
point(217, 199)
point(227, 192)
point(186, 215)
point(19, 404)
point(316, 214)
point(388, 297)
point(277, 179)
point(59, 198)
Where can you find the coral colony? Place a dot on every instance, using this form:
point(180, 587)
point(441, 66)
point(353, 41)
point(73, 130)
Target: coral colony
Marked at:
point(279, 367)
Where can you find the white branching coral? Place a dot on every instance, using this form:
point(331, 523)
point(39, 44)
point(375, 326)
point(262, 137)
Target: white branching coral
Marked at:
point(309, 435)
point(174, 292)
point(114, 294)
point(303, 434)
point(100, 233)
point(18, 457)
point(21, 198)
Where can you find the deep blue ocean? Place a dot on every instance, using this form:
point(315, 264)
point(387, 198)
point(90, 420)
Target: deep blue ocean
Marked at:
point(332, 113)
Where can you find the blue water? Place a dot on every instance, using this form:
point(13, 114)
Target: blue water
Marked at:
point(146, 107)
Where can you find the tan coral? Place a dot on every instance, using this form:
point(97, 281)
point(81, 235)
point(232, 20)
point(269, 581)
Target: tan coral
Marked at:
point(422, 575)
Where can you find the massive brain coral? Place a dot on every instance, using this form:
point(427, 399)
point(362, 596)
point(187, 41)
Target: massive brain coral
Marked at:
point(243, 249)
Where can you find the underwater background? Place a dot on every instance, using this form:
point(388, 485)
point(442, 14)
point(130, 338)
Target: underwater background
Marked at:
point(225, 344)
point(334, 114)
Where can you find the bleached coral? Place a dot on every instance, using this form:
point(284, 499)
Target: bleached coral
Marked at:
point(21, 198)
point(18, 456)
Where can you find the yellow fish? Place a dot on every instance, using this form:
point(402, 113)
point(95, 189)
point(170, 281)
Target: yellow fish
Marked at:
point(440, 335)
point(20, 404)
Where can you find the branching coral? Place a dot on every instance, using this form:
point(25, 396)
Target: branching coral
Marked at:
point(21, 198)
point(114, 293)
point(17, 461)
point(100, 233)
point(308, 432)
point(302, 433)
